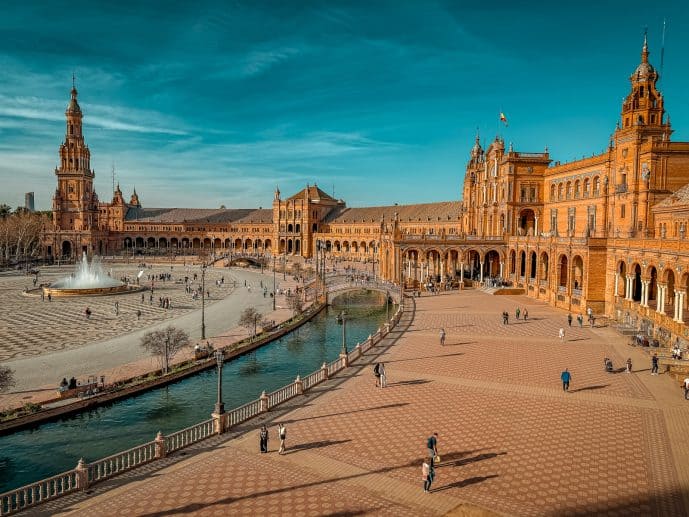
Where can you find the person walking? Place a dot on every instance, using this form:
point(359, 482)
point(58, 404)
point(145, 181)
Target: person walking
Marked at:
point(282, 434)
point(383, 376)
point(580, 320)
point(427, 474)
point(432, 446)
point(376, 373)
point(526, 314)
point(566, 378)
point(517, 313)
point(263, 439)
point(569, 319)
point(561, 334)
point(138, 315)
point(117, 308)
point(442, 337)
point(654, 364)
point(686, 388)
point(629, 365)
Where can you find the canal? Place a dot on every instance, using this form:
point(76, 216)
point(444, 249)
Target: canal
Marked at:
point(54, 447)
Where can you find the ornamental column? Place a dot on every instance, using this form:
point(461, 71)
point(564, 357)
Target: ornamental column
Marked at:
point(481, 273)
point(644, 293)
point(461, 272)
point(679, 301)
point(616, 284)
point(502, 269)
point(630, 287)
point(660, 307)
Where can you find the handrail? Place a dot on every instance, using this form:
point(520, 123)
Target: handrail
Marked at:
point(190, 435)
point(30, 495)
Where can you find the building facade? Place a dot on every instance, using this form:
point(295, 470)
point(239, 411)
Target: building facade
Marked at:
point(606, 232)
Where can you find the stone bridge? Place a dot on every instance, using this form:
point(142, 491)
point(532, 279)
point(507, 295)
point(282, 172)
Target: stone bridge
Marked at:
point(340, 286)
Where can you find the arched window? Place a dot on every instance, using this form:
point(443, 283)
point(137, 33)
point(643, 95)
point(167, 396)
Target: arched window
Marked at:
point(596, 186)
point(552, 192)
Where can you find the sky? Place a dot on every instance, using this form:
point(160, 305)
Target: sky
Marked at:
point(203, 104)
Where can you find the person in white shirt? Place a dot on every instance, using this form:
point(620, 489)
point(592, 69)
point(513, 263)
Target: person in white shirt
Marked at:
point(383, 376)
point(686, 388)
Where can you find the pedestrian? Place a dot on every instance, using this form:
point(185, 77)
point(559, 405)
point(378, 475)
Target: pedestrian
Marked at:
point(566, 378)
point(138, 314)
point(580, 320)
point(282, 434)
point(432, 446)
point(117, 308)
point(569, 319)
point(50, 297)
point(517, 313)
point(376, 372)
point(442, 337)
point(263, 436)
point(526, 314)
point(629, 365)
point(654, 364)
point(383, 376)
point(561, 335)
point(42, 295)
point(427, 474)
point(686, 388)
point(142, 297)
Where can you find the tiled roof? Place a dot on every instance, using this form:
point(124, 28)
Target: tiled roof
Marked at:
point(442, 211)
point(315, 194)
point(680, 197)
point(261, 215)
point(188, 215)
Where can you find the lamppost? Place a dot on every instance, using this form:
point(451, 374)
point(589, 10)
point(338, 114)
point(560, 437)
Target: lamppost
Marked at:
point(343, 317)
point(219, 360)
point(203, 301)
point(387, 305)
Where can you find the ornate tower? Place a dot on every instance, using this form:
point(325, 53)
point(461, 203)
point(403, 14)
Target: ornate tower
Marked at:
point(75, 204)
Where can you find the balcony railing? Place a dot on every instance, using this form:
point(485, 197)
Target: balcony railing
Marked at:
point(621, 188)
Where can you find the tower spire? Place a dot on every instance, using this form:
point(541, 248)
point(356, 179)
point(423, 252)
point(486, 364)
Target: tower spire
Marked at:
point(644, 49)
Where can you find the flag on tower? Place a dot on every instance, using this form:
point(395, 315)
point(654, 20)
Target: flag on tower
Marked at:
point(503, 118)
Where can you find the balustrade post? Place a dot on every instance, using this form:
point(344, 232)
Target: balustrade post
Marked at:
point(82, 472)
point(300, 385)
point(263, 402)
point(324, 368)
point(345, 359)
point(358, 349)
point(159, 446)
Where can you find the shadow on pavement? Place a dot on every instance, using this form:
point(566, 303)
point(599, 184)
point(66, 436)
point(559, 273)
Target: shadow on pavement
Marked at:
point(425, 357)
point(465, 461)
point(387, 406)
point(465, 482)
point(410, 382)
point(313, 445)
point(587, 388)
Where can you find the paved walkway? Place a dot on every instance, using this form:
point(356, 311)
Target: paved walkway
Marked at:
point(511, 441)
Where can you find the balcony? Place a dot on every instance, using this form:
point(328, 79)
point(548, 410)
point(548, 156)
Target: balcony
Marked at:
point(621, 188)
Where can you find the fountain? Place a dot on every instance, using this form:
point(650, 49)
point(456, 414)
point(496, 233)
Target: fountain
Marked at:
point(88, 279)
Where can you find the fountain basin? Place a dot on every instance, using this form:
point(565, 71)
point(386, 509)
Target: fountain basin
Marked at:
point(90, 291)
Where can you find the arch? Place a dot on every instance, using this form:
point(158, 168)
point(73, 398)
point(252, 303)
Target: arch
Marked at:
point(577, 188)
point(258, 244)
point(336, 245)
point(577, 272)
point(527, 222)
point(297, 228)
point(238, 243)
point(345, 246)
point(544, 266)
point(562, 274)
point(217, 243)
point(652, 274)
point(328, 246)
point(139, 242)
point(196, 243)
point(560, 190)
point(206, 242)
point(362, 247)
point(568, 190)
point(297, 246)
point(66, 249)
point(513, 262)
point(491, 264)
point(670, 279)
point(185, 242)
point(174, 242)
point(552, 191)
point(290, 228)
point(522, 263)
point(587, 186)
point(596, 185)
point(636, 283)
point(247, 244)
point(290, 246)
point(151, 242)
point(281, 246)
point(355, 247)
point(162, 242)
point(127, 243)
point(622, 275)
point(532, 265)
point(267, 245)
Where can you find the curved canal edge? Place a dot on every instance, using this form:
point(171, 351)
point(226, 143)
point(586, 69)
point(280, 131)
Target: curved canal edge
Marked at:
point(142, 383)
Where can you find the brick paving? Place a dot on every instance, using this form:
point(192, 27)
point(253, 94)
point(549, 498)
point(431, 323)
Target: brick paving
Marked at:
point(511, 441)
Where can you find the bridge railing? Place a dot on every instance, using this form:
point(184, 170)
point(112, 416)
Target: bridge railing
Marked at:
point(84, 475)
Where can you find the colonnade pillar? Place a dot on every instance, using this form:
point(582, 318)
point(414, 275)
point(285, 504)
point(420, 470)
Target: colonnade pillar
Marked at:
point(481, 272)
point(502, 269)
point(679, 305)
point(616, 284)
point(661, 298)
point(644, 292)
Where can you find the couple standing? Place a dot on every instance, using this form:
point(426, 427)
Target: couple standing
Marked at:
point(381, 377)
point(263, 438)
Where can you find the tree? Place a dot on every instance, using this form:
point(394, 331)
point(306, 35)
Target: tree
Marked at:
point(6, 378)
point(165, 344)
point(5, 210)
point(295, 302)
point(20, 236)
point(250, 319)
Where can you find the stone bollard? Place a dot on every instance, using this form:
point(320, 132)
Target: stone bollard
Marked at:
point(325, 371)
point(387, 328)
point(82, 473)
point(300, 385)
point(345, 360)
point(263, 402)
point(159, 446)
point(370, 340)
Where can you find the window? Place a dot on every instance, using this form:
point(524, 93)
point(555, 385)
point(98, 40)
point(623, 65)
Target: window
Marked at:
point(622, 211)
point(596, 185)
point(571, 219)
point(553, 220)
point(552, 192)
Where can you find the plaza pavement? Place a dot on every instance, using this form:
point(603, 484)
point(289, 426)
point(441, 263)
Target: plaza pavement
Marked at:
point(511, 441)
point(82, 352)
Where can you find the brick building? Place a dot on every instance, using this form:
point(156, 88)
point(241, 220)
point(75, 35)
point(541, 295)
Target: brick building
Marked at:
point(606, 232)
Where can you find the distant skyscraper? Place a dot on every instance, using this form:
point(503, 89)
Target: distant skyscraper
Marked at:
point(28, 201)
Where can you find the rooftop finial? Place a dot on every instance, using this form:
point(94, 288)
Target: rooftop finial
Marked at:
point(644, 50)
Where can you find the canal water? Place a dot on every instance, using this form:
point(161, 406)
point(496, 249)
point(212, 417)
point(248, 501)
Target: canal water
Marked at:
point(54, 447)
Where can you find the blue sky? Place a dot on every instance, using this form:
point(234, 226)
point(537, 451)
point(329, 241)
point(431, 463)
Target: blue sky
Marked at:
point(200, 104)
